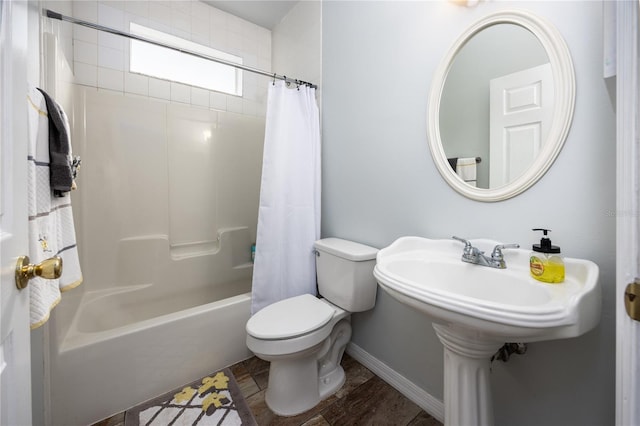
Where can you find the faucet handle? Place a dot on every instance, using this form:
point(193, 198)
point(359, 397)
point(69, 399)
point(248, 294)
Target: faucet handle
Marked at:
point(497, 250)
point(462, 240)
point(468, 248)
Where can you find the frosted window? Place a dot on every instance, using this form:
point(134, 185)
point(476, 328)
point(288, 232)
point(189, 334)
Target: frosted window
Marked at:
point(168, 64)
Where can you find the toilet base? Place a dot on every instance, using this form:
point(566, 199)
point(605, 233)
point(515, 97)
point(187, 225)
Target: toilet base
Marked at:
point(293, 386)
point(285, 399)
point(330, 373)
point(298, 383)
point(330, 383)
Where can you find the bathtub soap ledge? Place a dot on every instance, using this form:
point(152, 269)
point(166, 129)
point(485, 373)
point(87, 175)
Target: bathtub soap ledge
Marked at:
point(245, 265)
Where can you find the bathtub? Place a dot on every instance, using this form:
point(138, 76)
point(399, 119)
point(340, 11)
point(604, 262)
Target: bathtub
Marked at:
point(118, 351)
point(165, 221)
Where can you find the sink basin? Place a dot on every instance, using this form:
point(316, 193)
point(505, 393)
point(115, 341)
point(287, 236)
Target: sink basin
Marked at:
point(506, 303)
point(476, 309)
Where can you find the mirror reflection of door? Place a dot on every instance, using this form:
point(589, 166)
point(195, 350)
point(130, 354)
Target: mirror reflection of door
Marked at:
point(520, 113)
point(495, 51)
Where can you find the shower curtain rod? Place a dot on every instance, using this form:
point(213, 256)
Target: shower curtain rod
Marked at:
point(59, 16)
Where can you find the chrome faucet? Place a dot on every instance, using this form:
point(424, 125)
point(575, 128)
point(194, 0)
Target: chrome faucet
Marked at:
point(471, 254)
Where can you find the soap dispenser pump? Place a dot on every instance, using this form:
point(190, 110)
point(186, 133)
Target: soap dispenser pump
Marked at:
point(546, 263)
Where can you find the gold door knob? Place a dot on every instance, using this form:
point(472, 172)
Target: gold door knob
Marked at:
point(632, 300)
point(49, 269)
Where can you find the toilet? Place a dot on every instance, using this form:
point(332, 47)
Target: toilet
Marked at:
point(304, 337)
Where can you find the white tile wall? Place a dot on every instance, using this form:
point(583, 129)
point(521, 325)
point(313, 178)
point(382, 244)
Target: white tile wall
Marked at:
point(85, 34)
point(85, 74)
point(87, 10)
point(111, 41)
point(111, 58)
point(200, 96)
point(136, 84)
point(160, 89)
point(234, 104)
point(101, 59)
point(180, 93)
point(218, 101)
point(110, 79)
point(85, 52)
point(140, 8)
point(160, 12)
point(296, 43)
point(110, 16)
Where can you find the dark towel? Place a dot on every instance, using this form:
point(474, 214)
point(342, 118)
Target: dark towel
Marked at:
point(453, 162)
point(60, 174)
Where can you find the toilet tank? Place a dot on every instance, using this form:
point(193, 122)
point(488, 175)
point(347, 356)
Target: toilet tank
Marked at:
point(345, 273)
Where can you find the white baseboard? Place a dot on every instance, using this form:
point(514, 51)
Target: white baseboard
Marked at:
point(419, 396)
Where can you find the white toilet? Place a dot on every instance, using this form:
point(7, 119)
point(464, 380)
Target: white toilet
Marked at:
point(304, 337)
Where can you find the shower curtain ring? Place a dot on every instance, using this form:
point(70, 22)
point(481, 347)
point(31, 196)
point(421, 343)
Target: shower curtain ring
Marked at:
point(274, 78)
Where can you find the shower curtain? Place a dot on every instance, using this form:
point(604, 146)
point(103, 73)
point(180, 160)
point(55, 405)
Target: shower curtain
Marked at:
point(289, 213)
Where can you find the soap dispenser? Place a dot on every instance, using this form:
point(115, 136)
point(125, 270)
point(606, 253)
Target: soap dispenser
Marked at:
point(546, 263)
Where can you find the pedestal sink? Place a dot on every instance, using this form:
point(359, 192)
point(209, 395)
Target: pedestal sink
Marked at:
point(476, 309)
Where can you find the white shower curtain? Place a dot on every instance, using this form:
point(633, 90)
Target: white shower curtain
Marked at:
point(289, 214)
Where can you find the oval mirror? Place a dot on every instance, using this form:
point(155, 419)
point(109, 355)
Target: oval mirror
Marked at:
point(501, 105)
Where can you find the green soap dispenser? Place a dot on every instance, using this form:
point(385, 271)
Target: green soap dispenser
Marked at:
point(546, 263)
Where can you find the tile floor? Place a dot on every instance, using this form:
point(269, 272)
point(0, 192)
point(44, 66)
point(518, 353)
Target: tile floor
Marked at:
point(365, 399)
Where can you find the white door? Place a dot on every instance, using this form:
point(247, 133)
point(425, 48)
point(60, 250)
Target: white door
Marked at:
point(15, 358)
point(627, 218)
point(520, 112)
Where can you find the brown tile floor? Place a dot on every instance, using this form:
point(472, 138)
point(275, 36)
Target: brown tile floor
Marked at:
point(365, 399)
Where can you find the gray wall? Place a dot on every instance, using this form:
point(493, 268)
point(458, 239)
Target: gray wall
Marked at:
point(380, 183)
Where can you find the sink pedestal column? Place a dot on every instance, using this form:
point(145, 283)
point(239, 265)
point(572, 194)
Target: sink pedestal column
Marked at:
point(467, 389)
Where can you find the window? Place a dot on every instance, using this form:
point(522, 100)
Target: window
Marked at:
point(168, 64)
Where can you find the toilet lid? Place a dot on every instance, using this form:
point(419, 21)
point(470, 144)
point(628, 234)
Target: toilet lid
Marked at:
point(290, 318)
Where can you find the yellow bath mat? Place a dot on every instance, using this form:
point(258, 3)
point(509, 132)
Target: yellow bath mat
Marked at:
point(212, 400)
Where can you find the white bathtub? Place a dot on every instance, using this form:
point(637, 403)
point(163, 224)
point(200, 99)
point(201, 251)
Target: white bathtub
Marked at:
point(119, 351)
point(165, 221)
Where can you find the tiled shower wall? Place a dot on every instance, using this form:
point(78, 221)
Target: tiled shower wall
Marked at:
point(101, 59)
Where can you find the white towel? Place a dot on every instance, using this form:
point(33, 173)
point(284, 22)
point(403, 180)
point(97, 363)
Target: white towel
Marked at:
point(466, 169)
point(51, 227)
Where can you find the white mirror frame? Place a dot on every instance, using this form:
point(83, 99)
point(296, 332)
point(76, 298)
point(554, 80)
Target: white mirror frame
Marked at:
point(564, 83)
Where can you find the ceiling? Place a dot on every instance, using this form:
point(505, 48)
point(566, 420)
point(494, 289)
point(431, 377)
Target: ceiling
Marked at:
point(266, 13)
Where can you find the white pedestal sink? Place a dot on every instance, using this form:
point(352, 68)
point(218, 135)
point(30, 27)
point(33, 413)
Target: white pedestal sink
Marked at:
point(476, 309)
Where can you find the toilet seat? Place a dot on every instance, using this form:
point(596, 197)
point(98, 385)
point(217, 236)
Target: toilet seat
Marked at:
point(290, 318)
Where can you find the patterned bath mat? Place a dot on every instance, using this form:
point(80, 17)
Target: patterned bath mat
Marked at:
point(212, 400)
